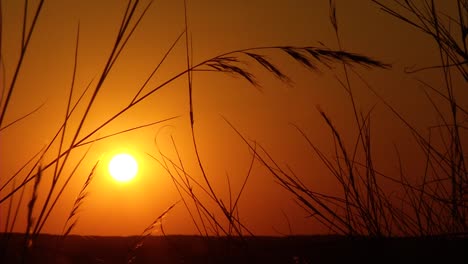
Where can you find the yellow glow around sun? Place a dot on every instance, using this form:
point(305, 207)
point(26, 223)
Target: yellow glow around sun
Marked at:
point(123, 167)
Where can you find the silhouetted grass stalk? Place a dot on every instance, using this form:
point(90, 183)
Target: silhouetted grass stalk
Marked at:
point(150, 229)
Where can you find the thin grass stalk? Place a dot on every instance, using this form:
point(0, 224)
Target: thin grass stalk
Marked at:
point(20, 170)
point(249, 171)
point(24, 48)
point(301, 194)
point(229, 211)
point(67, 111)
point(28, 238)
point(354, 192)
point(188, 187)
point(340, 175)
point(17, 120)
point(31, 204)
point(18, 206)
point(191, 114)
point(131, 256)
point(177, 167)
point(209, 218)
point(10, 206)
point(25, 16)
point(348, 223)
point(156, 68)
point(372, 195)
point(130, 33)
point(463, 31)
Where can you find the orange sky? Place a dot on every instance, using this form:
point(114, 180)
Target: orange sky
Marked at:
point(215, 27)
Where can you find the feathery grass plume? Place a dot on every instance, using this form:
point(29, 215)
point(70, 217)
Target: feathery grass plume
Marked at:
point(298, 55)
point(348, 58)
point(131, 257)
point(307, 56)
point(68, 227)
point(226, 64)
point(269, 66)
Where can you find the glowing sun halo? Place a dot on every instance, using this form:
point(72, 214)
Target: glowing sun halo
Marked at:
point(123, 167)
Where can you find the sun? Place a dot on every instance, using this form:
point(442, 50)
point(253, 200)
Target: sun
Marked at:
point(123, 167)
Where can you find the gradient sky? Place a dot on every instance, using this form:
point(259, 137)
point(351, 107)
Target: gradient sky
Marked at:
point(264, 115)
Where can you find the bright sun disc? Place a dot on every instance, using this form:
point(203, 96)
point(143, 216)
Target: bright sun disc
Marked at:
point(123, 167)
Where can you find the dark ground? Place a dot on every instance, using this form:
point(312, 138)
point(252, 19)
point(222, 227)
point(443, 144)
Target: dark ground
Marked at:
point(196, 249)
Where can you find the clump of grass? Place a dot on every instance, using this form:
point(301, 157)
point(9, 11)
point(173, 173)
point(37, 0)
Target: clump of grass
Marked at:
point(435, 206)
point(202, 216)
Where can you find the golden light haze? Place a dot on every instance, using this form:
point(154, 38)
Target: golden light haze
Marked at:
point(262, 114)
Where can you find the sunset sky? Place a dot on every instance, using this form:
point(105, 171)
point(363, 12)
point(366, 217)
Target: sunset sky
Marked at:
point(265, 114)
